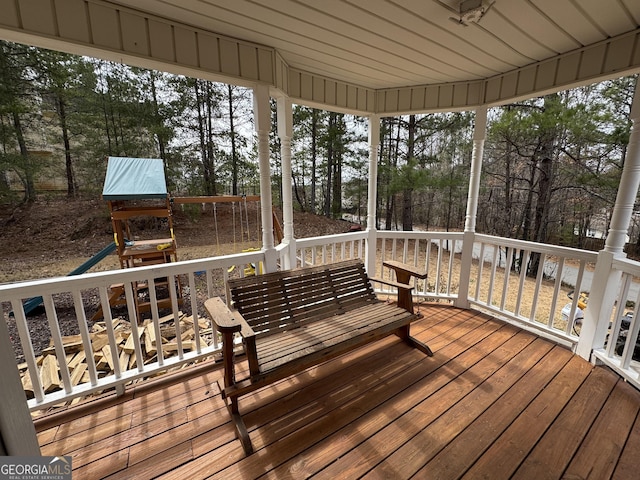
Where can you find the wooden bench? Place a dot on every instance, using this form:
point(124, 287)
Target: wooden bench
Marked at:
point(292, 320)
point(404, 272)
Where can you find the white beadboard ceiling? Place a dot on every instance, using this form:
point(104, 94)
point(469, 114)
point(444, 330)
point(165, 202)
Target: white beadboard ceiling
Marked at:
point(368, 56)
point(397, 43)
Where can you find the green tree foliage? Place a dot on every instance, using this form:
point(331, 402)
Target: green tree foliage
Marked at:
point(327, 151)
point(425, 162)
point(551, 164)
point(68, 113)
point(61, 80)
point(17, 109)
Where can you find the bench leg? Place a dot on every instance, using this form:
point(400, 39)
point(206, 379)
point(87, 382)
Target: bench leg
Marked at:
point(403, 333)
point(241, 429)
point(232, 402)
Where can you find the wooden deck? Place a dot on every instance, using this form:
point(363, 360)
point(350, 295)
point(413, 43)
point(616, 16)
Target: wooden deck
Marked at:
point(494, 402)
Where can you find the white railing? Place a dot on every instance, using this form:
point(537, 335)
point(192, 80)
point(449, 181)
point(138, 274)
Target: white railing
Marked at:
point(197, 279)
point(408, 247)
point(330, 249)
point(505, 281)
point(495, 270)
point(497, 284)
point(622, 350)
point(502, 283)
point(431, 253)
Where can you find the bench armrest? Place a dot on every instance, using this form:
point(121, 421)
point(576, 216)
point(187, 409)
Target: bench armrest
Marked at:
point(391, 283)
point(404, 269)
point(228, 323)
point(225, 319)
point(405, 297)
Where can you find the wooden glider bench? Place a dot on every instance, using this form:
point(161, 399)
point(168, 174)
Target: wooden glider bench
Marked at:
point(292, 320)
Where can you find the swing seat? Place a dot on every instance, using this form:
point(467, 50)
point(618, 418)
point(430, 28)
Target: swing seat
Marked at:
point(292, 320)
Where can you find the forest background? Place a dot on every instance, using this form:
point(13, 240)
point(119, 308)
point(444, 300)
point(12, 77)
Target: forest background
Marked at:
point(550, 174)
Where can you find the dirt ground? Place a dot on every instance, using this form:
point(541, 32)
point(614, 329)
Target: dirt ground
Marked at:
point(55, 235)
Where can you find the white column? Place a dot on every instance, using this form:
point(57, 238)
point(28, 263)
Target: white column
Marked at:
point(479, 135)
point(372, 238)
point(17, 433)
point(629, 182)
point(604, 288)
point(285, 132)
point(262, 119)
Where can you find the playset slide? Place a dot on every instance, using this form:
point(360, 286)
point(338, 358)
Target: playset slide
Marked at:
point(34, 302)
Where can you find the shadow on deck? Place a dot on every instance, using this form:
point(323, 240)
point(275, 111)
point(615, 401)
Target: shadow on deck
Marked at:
point(494, 402)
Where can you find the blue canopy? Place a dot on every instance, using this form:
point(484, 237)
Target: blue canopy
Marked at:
point(134, 178)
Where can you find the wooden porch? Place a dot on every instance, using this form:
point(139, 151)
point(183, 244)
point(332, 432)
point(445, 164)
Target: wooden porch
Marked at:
point(494, 402)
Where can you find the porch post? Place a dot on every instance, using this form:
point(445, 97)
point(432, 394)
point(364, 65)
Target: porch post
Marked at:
point(372, 193)
point(17, 433)
point(285, 132)
point(262, 118)
point(605, 280)
point(479, 135)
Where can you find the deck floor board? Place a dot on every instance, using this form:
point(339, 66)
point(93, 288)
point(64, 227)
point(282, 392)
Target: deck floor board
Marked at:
point(493, 402)
point(505, 454)
point(627, 466)
point(468, 444)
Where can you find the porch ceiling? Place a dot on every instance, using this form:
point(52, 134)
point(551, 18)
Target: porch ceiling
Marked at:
point(384, 56)
point(396, 43)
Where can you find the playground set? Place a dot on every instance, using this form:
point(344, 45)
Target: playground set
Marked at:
point(136, 194)
point(135, 188)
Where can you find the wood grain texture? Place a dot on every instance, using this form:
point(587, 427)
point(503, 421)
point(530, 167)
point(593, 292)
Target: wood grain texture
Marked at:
point(493, 402)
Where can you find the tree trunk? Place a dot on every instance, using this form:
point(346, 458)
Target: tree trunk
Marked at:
point(336, 202)
point(201, 136)
point(545, 167)
point(381, 173)
point(207, 167)
point(158, 120)
point(314, 155)
point(234, 153)
point(29, 187)
point(450, 202)
point(407, 192)
point(107, 129)
point(330, 160)
point(394, 152)
point(389, 204)
point(541, 218)
point(297, 190)
point(211, 187)
point(508, 195)
point(541, 211)
point(72, 188)
point(110, 117)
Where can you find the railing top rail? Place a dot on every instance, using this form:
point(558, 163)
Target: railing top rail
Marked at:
point(327, 239)
point(413, 235)
point(53, 285)
point(348, 236)
point(539, 247)
point(627, 265)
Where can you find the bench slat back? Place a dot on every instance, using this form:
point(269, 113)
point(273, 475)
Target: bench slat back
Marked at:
point(283, 300)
